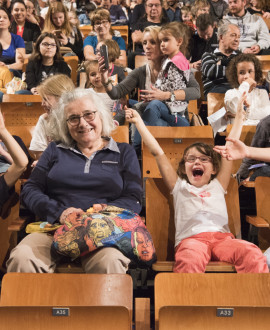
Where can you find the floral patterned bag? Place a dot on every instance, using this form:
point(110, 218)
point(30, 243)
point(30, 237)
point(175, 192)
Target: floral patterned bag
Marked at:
point(115, 227)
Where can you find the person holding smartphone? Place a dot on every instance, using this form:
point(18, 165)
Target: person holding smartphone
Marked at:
point(57, 22)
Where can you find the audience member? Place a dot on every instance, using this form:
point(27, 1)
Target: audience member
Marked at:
point(261, 139)
point(101, 22)
point(84, 18)
point(256, 7)
point(187, 18)
point(5, 77)
point(68, 36)
point(45, 9)
point(31, 15)
point(255, 38)
point(45, 61)
point(12, 46)
point(95, 84)
point(18, 159)
point(50, 90)
point(173, 10)
point(62, 182)
point(218, 8)
point(20, 26)
point(204, 40)
point(153, 16)
point(244, 73)
point(200, 7)
point(201, 220)
point(214, 64)
point(163, 105)
point(137, 13)
point(117, 15)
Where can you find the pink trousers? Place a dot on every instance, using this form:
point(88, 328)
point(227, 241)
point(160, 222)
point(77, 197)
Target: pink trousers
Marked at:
point(193, 253)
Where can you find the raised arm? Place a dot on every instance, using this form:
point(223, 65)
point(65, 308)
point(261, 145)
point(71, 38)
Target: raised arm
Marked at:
point(226, 164)
point(17, 154)
point(168, 173)
point(238, 150)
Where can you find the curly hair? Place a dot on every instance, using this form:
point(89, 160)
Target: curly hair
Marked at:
point(205, 149)
point(36, 55)
point(231, 71)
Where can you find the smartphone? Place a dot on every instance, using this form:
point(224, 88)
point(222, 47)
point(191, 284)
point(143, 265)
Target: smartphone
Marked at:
point(104, 54)
point(58, 33)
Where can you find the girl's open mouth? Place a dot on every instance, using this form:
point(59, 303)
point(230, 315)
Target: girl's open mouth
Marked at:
point(197, 172)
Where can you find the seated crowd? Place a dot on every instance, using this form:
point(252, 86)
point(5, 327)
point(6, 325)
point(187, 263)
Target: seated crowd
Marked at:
point(81, 173)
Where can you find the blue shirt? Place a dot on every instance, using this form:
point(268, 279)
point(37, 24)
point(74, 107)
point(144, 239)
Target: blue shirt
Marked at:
point(10, 52)
point(64, 178)
point(93, 41)
point(174, 15)
point(84, 19)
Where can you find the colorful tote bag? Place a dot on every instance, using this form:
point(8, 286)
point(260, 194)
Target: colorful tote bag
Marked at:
point(112, 227)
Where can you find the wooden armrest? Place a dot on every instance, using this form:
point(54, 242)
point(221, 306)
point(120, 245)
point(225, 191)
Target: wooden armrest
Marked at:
point(213, 266)
point(142, 313)
point(163, 266)
point(16, 225)
point(248, 184)
point(257, 221)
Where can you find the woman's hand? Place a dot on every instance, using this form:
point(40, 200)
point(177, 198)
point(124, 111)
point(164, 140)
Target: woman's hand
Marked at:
point(236, 150)
point(63, 39)
point(104, 72)
point(154, 94)
point(66, 213)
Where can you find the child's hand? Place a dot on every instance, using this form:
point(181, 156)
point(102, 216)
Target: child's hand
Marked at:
point(240, 113)
point(252, 84)
point(131, 115)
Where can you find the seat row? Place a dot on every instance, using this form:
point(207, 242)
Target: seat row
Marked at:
point(99, 301)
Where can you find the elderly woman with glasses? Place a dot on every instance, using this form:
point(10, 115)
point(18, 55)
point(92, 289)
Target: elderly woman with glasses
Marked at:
point(101, 22)
point(45, 61)
point(83, 168)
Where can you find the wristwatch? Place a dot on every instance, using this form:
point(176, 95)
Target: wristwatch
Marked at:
point(172, 98)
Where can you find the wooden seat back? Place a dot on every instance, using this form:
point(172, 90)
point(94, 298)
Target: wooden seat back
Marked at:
point(192, 301)
point(140, 60)
point(21, 113)
point(265, 61)
point(22, 289)
point(160, 216)
point(262, 192)
point(173, 141)
point(121, 134)
point(215, 101)
point(72, 61)
point(246, 136)
point(80, 317)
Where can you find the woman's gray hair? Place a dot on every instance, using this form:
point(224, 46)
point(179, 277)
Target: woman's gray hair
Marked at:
point(58, 125)
point(224, 27)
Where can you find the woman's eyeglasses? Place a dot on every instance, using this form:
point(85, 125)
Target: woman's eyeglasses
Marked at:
point(101, 23)
point(203, 159)
point(45, 44)
point(75, 120)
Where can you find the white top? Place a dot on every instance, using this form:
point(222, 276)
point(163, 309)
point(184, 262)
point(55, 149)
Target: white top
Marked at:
point(258, 100)
point(105, 98)
point(40, 139)
point(199, 210)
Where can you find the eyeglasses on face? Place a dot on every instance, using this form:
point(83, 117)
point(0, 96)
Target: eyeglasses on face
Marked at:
point(101, 23)
point(45, 44)
point(203, 159)
point(151, 5)
point(75, 120)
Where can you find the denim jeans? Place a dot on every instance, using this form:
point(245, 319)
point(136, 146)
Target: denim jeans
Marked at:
point(24, 92)
point(158, 114)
